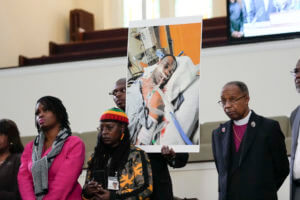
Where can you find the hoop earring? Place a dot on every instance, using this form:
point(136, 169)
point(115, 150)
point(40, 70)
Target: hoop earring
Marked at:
point(122, 136)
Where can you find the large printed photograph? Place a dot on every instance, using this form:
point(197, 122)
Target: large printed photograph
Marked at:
point(162, 100)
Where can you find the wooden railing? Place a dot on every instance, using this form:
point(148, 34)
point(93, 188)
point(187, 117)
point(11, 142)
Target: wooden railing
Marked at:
point(113, 43)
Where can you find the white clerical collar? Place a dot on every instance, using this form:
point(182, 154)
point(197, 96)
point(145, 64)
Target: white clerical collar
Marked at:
point(243, 121)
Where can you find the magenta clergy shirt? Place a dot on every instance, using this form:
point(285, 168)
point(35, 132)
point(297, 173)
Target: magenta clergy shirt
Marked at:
point(238, 134)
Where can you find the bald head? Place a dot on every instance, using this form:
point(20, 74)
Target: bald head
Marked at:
point(119, 93)
point(241, 85)
point(121, 81)
point(297, 76)
point(298, 63)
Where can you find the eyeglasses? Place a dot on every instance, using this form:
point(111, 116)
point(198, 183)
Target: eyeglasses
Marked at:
point(115, 91)
point(295, 71)
point(231, 101)
point(108, 127)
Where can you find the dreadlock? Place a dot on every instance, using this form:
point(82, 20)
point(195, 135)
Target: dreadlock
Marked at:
point(119, 155)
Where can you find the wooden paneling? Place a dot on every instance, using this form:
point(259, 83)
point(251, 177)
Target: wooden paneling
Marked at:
point(113, 43)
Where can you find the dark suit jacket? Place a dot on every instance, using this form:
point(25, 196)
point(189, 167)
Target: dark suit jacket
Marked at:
point(295, 122)
point(263, 162)
point(162, 184)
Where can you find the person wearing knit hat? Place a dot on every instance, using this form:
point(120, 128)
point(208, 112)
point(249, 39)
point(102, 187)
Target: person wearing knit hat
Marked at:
point(114, 114)
point(162, 183)
point(117, 169)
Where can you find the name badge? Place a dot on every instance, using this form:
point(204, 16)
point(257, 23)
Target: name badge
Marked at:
point(113, 183)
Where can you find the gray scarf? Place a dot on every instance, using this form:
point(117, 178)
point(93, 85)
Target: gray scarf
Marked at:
point(41, 164)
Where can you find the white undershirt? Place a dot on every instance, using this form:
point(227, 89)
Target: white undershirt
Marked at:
point(296, 169)
point(243, 121)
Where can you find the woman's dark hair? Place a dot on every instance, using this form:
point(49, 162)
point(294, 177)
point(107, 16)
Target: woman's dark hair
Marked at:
point(10, 129)
point(56, 106)
point(119, 155)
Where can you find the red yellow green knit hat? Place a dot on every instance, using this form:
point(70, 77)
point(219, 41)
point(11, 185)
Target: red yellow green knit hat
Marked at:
point(115, 114)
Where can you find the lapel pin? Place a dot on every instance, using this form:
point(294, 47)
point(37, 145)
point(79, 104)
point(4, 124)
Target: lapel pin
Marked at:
point(253, 124)
point(223, 130)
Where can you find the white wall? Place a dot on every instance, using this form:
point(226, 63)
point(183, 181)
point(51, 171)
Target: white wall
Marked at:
point(28, 26)
point(84, 86)
point(264, 67)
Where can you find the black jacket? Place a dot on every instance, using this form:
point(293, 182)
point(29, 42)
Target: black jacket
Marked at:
point(295, 123)
point(162, 184)
point(263, 164)
point(8, 178)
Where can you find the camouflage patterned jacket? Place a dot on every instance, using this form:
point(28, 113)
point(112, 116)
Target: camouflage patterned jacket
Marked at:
point(135, 179)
